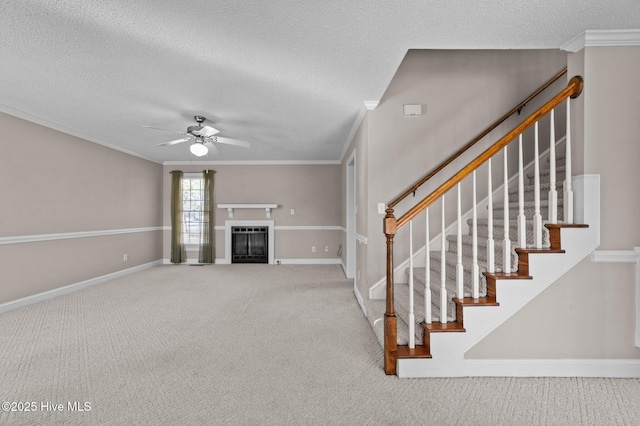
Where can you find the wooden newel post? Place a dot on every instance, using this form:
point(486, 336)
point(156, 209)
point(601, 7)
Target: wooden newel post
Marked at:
point(390, 321)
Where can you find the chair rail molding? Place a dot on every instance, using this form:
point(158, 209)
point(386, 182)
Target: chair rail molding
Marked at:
point(624, 256)
point(20, 239)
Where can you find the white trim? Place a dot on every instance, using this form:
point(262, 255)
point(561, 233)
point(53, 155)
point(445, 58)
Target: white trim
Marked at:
point(230, 207)
point(352, 133)
point(616, 256)
point(371, 105)
point(69, 131)
point(629, 368)
point(351, 212)
point(359, 298)
point(361, 238)
point(332, 261)
point(70, 235)
point(29, 300)
point(624, 256)
point(254, 163)
point(227, 236)
point(308, 228)
point(591, 38)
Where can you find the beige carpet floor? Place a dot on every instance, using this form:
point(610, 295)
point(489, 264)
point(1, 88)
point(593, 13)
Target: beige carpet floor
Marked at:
point(252, 345)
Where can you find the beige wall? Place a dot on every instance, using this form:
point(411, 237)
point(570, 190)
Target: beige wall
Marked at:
point(611, 143)
point(314, 191)
point(54, 183)
point(590, 312)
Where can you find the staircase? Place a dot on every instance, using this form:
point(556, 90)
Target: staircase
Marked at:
point(419, 275)
point(468, 285)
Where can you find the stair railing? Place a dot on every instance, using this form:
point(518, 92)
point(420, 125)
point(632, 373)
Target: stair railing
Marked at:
point(393, 225)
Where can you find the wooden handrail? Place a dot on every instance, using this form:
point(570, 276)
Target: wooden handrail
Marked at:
point(488, 130)
point(573, 89)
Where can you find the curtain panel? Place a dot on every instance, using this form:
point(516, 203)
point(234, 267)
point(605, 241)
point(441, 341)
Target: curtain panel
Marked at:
point(207, 239)
point(178, 252)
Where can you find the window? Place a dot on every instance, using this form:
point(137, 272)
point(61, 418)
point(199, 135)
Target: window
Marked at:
point(192, 205)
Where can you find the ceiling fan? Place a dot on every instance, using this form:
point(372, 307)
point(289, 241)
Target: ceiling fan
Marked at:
point(201, 135)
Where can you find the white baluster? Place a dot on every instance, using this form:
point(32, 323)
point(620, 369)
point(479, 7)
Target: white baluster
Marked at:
point(522, 220)
point(443, 274)
point(553, 194)
point(475, 269)
point(537, 217)
point(427, 272)
point(568, 193)
point(506, 243)
point(412, 319)
point(491, 248)
point(459, 266)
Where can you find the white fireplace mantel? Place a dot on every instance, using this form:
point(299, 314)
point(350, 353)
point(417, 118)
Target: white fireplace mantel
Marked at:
point(230, 207)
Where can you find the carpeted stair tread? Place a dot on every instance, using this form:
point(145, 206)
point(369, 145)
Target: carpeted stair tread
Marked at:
point(419, 279)
point(451, 287)
point(545, 173)
point(528, 208)
point(498, 231)
point(529, 191)
point(401, 296)
point(375, 315)
point(402, 303)
point(451, 263)
point(467, 249)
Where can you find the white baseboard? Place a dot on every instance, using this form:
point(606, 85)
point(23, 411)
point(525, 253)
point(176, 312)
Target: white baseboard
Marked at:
point(618, 368)
point(359, 299)
point(336, 261)
point(29, 300)
point(344, 267)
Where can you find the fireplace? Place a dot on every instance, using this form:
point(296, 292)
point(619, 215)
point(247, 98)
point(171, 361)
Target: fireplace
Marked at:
point(250, 244)
point(246, 239)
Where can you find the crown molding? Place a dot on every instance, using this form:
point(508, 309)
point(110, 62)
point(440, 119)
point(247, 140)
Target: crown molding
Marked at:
point(593, 38)
point(352, 133)
point(371, 105)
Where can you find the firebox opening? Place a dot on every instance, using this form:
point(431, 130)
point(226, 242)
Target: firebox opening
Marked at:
point(249, 244)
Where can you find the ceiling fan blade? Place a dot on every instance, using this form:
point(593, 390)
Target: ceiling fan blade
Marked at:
point(235, 142)
point(177, 141)
point(164, 130)
point(208, 131)
point(212, 148)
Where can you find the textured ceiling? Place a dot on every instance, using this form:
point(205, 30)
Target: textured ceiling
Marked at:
point(289, 76)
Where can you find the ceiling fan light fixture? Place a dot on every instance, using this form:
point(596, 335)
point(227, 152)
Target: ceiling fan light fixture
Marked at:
point(198, 149)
